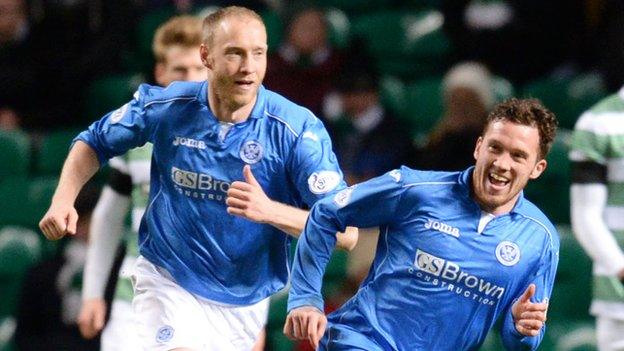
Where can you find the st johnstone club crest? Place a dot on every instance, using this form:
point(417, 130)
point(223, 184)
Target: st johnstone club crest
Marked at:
point(507, 253)
point(251, 152)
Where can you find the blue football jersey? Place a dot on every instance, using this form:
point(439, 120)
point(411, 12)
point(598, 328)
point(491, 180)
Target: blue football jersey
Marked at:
point(186, 228)
point(436, 282)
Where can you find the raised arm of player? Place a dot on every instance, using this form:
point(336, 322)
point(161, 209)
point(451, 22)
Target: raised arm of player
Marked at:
point(247, 199)
point(61, 218)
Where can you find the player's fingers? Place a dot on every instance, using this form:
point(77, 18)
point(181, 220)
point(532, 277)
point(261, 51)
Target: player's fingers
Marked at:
point(537, 315)
point(237, 193)
point(321, 325)
point(312, 330)
point(46, 229)
point(288, 328)
point(249, 177)
point(237, 203)
point(236, 211)
point(54, 231)
point(530, 324)
point(241, 186)
point(528, 293)
point(301, 327)
point(72, 222)
point(527, 332)
point(53, 227)
point(541, 306)
point(295, 327)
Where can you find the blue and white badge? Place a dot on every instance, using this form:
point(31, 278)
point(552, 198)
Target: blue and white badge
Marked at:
point(118, 114)
point(395, 174)
point(251, 152)
point(341, 199)
point(323, 182)
point(164, 334)
point(507, 253)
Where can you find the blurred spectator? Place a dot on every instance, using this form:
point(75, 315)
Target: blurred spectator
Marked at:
point(17, 69)
point(518, 39)
point(305, 65)
point(51, 293)
point(368, 139)
point(468, 96)
point(9, 119)
point(72, 42)
point(609, 44)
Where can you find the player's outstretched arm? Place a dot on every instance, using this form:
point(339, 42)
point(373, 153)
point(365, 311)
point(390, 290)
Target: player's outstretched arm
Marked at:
point(247, 199)
point(306, 323)
point(61, 218)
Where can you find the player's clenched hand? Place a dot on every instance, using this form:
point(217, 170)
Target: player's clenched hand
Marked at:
point(306, 323)
point(91, 317)
point(529, 317)
point(60, 220)
point(248, 200)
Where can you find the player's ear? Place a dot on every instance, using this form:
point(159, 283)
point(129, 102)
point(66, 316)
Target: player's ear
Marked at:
point(477, 147)
point(206, 59)
point(539, 168)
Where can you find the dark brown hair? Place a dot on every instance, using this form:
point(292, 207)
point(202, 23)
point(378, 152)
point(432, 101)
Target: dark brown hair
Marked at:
point(528, 112)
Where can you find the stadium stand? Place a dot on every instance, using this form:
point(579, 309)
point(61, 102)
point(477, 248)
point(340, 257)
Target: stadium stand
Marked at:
point(14, 154)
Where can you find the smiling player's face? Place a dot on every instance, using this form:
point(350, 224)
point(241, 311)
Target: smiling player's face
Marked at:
point(507, 156)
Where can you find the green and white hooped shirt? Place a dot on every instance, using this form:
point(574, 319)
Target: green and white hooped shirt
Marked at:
point(597, 155)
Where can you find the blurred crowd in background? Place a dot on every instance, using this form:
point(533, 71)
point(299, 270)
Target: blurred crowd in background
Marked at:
point(395, 82)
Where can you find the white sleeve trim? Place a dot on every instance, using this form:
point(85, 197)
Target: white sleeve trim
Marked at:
point(105, 233)
point(588, 202)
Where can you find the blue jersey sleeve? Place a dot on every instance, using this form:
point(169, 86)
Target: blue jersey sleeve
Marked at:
point(543, 280)
point(120, 130)
point(372, 203)
point(312, 165)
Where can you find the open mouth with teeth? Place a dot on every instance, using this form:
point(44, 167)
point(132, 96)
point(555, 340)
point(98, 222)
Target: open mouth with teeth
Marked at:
point(244, 83)
point(497, 180)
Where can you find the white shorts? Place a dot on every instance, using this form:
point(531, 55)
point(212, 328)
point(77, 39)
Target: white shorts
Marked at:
point(120, 333)
point(170, 317)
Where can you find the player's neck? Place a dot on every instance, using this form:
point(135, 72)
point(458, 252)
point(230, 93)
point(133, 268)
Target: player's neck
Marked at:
point(228, 111)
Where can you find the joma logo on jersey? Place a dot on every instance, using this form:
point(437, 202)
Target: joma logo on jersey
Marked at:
point(188, 142)
point(442, 227)
point(451, 276)
point(199, 181)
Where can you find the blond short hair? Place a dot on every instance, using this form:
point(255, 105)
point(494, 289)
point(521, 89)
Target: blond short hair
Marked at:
point(185, 31)
point(214, 19)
